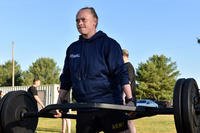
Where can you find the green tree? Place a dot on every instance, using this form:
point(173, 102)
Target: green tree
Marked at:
point(1, 75)
point(27, 78)
point(43, 68)
point(156, 78)
point(6, 74)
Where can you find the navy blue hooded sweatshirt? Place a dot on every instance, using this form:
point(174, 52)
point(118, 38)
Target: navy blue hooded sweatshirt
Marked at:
point(95, 70)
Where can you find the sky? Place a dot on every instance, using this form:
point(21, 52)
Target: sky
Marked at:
point(45, 28)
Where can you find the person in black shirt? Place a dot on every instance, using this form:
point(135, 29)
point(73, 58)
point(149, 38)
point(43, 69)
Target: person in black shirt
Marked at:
point(33, 91)
point(131, 73)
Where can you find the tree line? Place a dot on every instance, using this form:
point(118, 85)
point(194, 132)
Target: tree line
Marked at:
point(155, 78)
point(45, 69)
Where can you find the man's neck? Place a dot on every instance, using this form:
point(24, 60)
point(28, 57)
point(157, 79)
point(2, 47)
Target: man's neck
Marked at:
point(88, 36)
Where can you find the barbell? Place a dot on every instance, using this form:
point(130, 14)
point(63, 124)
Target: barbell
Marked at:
point(19, 112)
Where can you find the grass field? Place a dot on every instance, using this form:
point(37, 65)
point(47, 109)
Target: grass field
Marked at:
point(155, 124)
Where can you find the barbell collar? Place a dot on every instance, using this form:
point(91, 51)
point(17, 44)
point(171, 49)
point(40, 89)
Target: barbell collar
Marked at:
point(28, 115)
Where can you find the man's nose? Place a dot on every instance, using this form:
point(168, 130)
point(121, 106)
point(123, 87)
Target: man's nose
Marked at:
point(79, 22)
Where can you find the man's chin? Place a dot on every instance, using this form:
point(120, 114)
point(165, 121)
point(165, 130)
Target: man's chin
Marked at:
point(82, 33)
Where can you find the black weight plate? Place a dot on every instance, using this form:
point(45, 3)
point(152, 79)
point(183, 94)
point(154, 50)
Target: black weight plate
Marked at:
point(16, 103)
point(2, 101)
point(191, 120)
point(1, 104)
point(177, 105)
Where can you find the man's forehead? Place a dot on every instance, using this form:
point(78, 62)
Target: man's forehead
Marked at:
point(84, 13)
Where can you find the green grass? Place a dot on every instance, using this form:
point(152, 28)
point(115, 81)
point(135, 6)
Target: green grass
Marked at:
point(47, 125)
point(155, 124)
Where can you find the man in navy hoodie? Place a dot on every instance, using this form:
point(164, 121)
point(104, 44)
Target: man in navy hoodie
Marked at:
point(95, 71)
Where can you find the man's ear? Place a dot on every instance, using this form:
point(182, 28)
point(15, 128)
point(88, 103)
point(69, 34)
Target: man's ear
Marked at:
point(96, 22)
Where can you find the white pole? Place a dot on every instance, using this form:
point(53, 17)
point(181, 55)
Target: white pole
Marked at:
point(13, 66)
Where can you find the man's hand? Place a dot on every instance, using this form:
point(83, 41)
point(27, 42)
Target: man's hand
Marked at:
point(61, 98)
point(58, 114)
point(130, 102)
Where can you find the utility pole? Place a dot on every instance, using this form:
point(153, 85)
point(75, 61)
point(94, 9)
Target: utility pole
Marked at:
point(13, 65)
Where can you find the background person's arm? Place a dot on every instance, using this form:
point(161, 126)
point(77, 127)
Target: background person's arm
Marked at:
point(39, 101)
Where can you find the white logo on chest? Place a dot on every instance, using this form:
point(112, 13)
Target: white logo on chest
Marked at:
point(74, 55)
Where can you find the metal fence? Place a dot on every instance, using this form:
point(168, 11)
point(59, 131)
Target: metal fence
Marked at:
point(47, 93)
